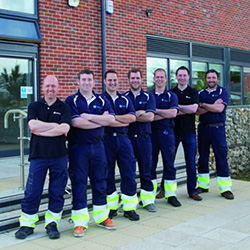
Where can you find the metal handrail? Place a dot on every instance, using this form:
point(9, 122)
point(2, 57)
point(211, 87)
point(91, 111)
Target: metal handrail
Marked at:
point(19, 114)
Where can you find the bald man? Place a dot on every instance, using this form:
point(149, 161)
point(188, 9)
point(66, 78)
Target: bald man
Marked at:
point(49, 122)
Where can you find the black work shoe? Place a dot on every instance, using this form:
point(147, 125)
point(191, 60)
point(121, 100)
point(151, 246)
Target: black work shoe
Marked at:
point(132, 215)
point(23, 232)
point(51, 230)
point(112, 213)
point(228, 195)
point(201, 190)
point(173, 201)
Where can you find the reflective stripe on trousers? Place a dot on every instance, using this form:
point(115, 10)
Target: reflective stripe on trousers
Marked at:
point(80, 217)
point(28, 220)
point(170, 187)
point(203, 180)
point(224, 183)
point(52, 217)
point(147, 197)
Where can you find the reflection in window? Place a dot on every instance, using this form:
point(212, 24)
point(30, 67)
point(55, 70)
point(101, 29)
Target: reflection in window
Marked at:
point(235, 85)
point(198, 75)
point(25, 6)
point(14, 73)
point(247, 85)
point(152, 65)
point(174, 65)
point(18, 29)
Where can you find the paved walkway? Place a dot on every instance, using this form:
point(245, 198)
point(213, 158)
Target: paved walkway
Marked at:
point(213, 223)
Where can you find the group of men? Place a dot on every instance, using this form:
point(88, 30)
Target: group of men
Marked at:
point(111, 128)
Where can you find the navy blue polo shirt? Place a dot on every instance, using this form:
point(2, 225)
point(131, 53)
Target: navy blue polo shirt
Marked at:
point(210, 97)
point(185, 124)
point(96, 105)
point(121, 105)
point(143, 101)
point(165, 100)
point(43, 146)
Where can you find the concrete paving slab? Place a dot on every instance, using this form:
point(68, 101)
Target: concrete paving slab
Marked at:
point(198, 243)
point(214, 223)
point(227, 236)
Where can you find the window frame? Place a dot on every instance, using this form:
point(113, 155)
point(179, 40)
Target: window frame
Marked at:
point(224, 61)
point(23, 17)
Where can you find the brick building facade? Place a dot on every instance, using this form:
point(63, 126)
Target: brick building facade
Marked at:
point(72, 36)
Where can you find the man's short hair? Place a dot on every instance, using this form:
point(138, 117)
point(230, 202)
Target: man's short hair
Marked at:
point(212, 71)
point(134, 71)
point(110, 71)
point(160, 69)
point(182, 68)
point(86, 71)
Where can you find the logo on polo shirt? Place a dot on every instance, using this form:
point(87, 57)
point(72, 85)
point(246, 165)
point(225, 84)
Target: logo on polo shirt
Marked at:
point(188, 97)
point(56, 113)
point(141, 102)
point(96, 107)
point(122, 106)
point(164, 100)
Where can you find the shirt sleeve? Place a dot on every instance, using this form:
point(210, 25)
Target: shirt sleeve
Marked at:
point(107, 106)
point(224, 96)
point(151, 106)
point(195, 96)
point(32, 111)
point(66, 114)
point(74, 110)
point(130, 107)
point(173, 101)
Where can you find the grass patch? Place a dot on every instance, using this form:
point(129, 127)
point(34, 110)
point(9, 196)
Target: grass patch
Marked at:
point(243, 177)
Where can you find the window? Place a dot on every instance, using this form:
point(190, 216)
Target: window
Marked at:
point(25, 6)
point(19, 29)
point(19, 20)
point(152, 65)
point(235, 86)
point(174, 65)
point(198, 75)
point(233, 65)
point(246, 85)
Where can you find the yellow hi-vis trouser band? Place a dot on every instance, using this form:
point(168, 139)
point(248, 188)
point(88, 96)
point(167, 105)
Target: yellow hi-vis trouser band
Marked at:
point(80, 217)
point(52, 217)
point(100, 213)
point(147, 197)
point(203, 180)
point(170, 187)
point(224, 183)
point(28, 220)
point(129, 202)
point(113, 201)
point(155, 186)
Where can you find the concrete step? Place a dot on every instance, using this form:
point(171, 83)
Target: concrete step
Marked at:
point(10, 207)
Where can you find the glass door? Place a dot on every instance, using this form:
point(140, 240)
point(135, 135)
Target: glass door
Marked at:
point(16, 92)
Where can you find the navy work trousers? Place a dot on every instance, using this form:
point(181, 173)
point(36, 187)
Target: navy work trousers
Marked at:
point(58, 176)
point(216, 137)
point(189, 146)
point(143, 152)
point(163, 140)
point(87, 160)
point(119, 148)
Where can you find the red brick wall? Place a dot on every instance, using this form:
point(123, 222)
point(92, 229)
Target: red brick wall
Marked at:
point(72, 36)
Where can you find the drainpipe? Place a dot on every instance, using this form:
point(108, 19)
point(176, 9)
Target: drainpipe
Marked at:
point(103, 43)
